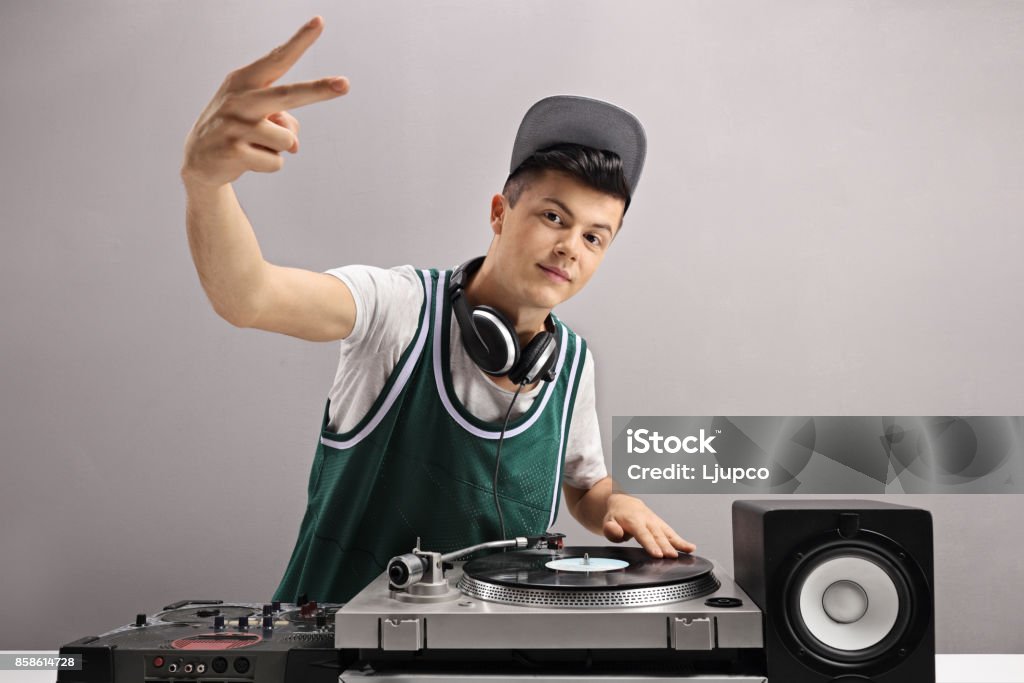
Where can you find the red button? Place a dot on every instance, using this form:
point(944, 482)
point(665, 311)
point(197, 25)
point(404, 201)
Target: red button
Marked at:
point(158, 662)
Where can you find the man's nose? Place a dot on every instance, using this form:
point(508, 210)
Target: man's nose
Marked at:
point(567, 244)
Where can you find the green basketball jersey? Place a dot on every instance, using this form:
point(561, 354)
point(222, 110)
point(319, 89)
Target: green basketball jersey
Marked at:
point(419, 465)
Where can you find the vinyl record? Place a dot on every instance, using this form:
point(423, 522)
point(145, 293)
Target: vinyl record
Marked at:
point(530, 568)
point(612, 577)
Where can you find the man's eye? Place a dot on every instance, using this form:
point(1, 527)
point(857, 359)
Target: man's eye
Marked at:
point(552, 216)
point(593, 239)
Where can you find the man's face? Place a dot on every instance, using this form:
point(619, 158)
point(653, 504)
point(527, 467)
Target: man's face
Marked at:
point(551, 242)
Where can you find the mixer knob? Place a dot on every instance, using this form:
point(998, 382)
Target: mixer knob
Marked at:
point(308, 610)
point(267, 609)
point(140, 620)
point(321, 619)
point(276, 605)
point(243, 623)
point(218, 622)
point(268, 623)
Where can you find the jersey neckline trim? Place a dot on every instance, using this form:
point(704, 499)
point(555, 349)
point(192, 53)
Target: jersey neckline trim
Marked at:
point(342, 441)
point(458, 412)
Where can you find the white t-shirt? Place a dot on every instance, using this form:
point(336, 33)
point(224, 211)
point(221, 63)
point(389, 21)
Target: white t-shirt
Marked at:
point(388, 304)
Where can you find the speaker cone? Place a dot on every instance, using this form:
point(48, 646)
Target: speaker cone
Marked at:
point(852, 602)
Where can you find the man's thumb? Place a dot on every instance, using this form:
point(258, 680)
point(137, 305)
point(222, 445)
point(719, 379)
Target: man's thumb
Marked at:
point(614, 532)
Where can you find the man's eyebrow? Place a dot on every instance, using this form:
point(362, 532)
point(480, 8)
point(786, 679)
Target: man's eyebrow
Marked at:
point(568, 212)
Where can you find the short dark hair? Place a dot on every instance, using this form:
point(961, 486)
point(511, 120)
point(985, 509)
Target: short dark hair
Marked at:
point(596, 168)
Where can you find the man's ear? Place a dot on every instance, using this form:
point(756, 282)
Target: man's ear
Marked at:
point(497, 213)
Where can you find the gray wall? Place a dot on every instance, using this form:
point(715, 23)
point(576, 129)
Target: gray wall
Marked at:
point(829, 223)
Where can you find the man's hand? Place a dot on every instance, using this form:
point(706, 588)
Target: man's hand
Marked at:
point(620, 517)
point(629, 517)
point(246, 125)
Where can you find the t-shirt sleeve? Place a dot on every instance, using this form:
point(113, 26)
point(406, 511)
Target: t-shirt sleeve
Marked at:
point(584, 456)
point(388, 301)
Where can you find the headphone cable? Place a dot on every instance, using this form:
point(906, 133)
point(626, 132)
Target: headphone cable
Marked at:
point(497, 460)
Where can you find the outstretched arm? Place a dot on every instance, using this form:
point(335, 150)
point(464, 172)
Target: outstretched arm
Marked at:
point(620, 517)
point(246, 127)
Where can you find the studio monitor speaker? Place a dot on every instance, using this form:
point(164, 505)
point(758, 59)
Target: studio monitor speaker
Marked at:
point(846, 588)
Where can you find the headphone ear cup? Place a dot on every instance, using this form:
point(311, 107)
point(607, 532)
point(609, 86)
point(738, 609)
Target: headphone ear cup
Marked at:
point(537, 360)
point(499, 337)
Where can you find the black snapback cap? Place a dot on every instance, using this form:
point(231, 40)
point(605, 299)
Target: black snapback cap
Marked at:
point(582, 121)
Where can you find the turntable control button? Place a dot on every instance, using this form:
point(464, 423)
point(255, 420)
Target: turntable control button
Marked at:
point(268, 623)
point(243, 623)
point(692, 633)
point(723, 602)
point(267, 609)
point(218, 622)
point(140, 619)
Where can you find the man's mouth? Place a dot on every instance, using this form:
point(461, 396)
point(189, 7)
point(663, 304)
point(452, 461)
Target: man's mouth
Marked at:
point(555, 273)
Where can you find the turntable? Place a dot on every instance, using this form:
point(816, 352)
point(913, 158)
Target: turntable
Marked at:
point(551, 613)
point(209, 640)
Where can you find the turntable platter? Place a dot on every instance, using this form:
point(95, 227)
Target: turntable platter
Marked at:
point(620, 577)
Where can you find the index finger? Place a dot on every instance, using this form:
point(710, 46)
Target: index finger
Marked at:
point(256, 104)
point(276, 63)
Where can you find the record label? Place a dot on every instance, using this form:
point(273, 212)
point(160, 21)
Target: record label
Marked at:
point(586, 564)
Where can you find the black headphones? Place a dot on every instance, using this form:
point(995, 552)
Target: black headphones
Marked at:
point(491, 340)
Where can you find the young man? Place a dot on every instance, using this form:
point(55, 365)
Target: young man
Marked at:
point(439, 370)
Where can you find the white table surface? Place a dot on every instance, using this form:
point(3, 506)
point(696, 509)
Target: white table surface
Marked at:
point(948, 669)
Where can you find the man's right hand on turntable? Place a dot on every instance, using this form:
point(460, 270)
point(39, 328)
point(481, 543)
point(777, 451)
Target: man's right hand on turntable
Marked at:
point(621, 517)
point(246, 127)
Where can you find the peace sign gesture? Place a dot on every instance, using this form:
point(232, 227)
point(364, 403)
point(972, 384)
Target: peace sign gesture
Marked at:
point(246, 125)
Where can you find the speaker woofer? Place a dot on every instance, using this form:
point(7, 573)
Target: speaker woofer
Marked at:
point(853, 602)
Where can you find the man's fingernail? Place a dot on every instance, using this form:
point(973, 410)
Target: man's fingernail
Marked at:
point(339, 84)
